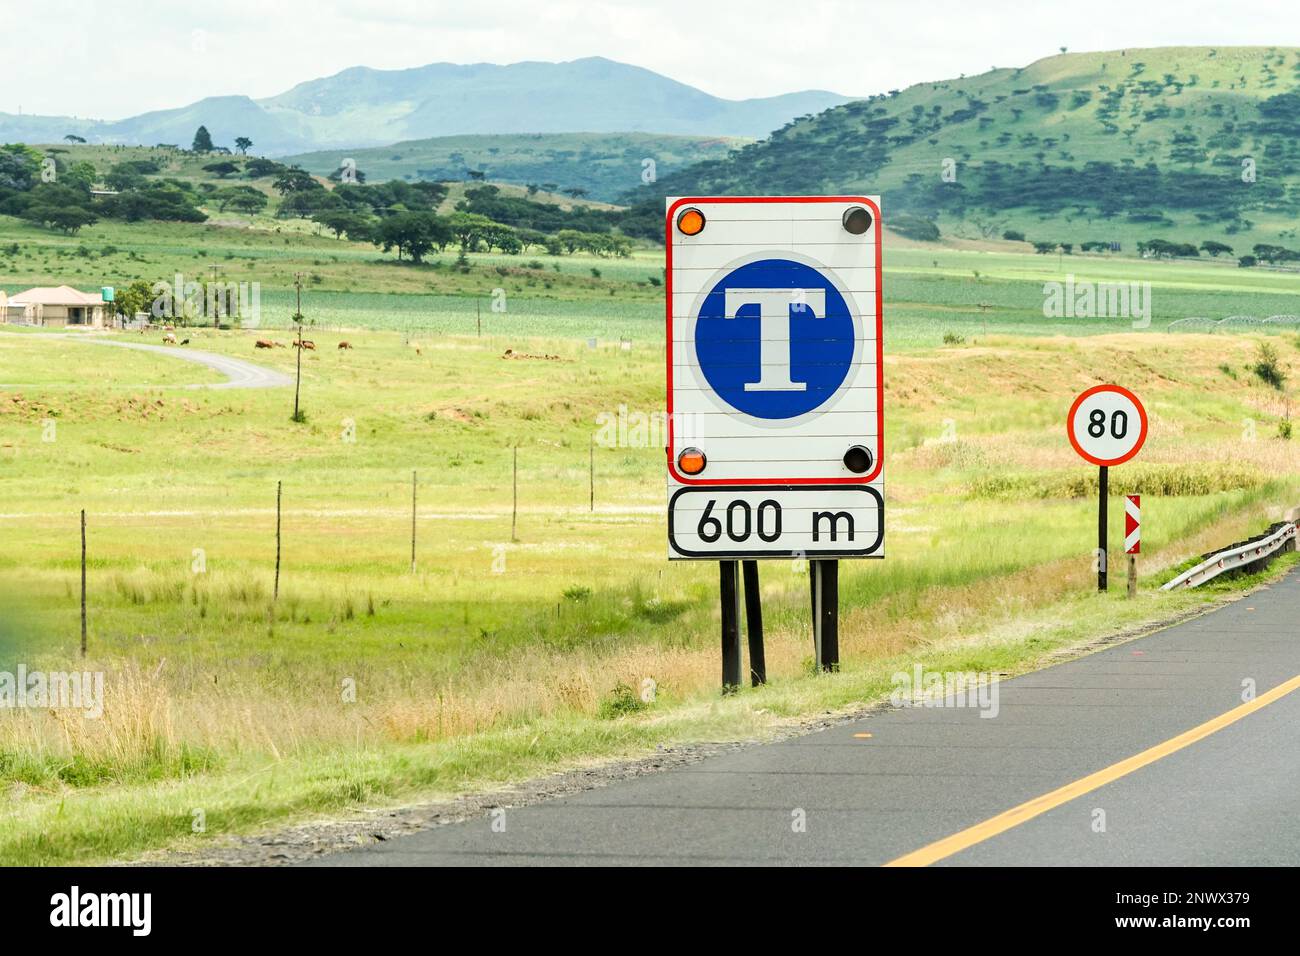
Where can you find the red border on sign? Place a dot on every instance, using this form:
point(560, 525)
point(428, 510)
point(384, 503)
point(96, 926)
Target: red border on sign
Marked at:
point(1142, 414)
point(880, 354)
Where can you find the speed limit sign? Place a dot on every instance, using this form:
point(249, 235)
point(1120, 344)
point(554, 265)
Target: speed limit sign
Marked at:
point(1107, 425)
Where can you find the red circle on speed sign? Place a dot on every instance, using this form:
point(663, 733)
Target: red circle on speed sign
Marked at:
point(1101, 425)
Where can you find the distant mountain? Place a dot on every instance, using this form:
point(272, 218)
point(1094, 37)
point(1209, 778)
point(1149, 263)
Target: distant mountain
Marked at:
point(362, 107)
point(1192, 143)
point(605, 166)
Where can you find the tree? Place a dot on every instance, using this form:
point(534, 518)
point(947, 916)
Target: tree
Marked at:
point(340, 221)
point(468, 228)
point(259, 168)
point(74, 138)
point(163, 201)
point(222, 169)
point(240, 198)
point(242, 143)
point(68, 219)
point(20, 168)
point(412, 233)
point(295, 179)
point(1216, 249)
point(202, 140)
point(137, 297)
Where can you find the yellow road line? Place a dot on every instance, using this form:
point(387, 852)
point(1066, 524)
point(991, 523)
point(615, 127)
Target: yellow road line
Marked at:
point(941, 849)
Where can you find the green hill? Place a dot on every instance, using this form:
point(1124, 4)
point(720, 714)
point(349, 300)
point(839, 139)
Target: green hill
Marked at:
point(1117, 146)
point(604, 166)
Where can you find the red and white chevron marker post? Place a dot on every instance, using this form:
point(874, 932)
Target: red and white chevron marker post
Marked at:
point(1133, 524)
point(1132, 538)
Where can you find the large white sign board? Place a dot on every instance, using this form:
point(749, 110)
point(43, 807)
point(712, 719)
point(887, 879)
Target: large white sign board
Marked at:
point(774, 377)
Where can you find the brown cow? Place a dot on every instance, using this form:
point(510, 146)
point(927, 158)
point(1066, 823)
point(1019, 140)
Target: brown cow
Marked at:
point(169, 338)
point(305, 344)
point(264, 344)
point(345, 345)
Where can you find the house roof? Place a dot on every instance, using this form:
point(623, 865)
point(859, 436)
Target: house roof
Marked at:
point(63, 295)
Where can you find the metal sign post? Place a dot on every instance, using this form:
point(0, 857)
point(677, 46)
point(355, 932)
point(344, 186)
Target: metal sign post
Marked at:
point(1103, 495)
point(754, 625)
point(775, 376)
point(730, 626)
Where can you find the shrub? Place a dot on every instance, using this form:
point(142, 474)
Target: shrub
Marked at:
point(1266, 367)
point(622, 700)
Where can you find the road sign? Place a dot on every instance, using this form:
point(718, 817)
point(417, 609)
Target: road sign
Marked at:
point(774, 377)
point(1132, 524)
point(1107, 425)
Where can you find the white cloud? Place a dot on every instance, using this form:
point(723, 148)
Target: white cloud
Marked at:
point(114, 60)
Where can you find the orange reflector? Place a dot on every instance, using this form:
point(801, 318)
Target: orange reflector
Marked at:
point(690, 222)
point(691, 461)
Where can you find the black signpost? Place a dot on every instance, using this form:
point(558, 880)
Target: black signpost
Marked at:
point(1103, 494)
point(730, 626)
point(754, 625)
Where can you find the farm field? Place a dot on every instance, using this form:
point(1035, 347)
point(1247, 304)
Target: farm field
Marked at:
point(957, 288)
point(521, 645)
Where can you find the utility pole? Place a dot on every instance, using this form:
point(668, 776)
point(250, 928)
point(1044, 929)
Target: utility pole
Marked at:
point(297, 317)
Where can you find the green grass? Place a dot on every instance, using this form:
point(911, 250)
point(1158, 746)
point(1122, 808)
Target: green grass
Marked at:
point(513, 647)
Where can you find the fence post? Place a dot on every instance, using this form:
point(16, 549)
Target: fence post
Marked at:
point(276, 595)
point(83, 582)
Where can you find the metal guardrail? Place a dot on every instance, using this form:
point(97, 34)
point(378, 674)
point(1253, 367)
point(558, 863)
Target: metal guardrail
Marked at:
point(1238, 556)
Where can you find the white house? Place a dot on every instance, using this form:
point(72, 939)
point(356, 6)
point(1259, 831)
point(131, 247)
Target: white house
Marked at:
point(55, 307)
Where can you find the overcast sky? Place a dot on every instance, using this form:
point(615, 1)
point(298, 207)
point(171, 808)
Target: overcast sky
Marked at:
point(108, 60)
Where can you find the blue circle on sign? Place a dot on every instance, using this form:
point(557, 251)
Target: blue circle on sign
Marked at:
point(775, 339)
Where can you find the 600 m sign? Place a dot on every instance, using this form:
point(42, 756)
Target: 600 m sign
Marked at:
point(728, 522)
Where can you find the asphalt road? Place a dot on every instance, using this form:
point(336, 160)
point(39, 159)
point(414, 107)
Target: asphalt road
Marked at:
point(1037, 784)
point(239, 374)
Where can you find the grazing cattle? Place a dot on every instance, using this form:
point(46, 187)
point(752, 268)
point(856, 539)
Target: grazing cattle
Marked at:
point(305, 344)
point(169, 338)
point(264, 344)
point(345, 345)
